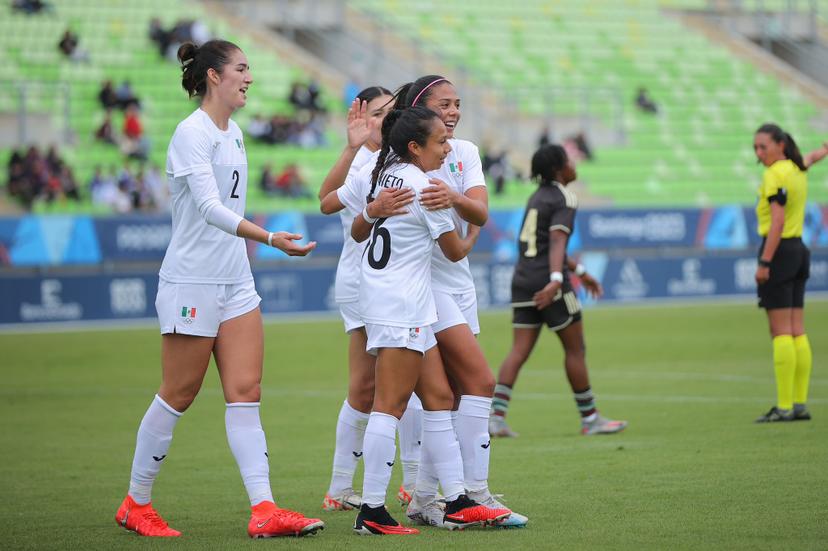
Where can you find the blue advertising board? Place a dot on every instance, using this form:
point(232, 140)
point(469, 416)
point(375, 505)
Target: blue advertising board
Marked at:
point(301, 289)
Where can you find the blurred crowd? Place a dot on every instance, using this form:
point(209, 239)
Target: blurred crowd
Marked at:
point(170, 39)
point(33, 175)
point(288, 183)
point(130, 189)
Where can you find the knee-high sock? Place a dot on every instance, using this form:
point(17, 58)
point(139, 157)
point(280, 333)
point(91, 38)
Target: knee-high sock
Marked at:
point(247, 442)
point(380, 448)
point(472, 428)
point(410, 429)
point(350, 431)
point(784, 366)
point(442, 452)
point(802, 374)
point(151, 446)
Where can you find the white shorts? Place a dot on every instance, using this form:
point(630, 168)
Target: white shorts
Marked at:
point(455, 309)
point(198, 309)
point(418, 339)
point(350, 315)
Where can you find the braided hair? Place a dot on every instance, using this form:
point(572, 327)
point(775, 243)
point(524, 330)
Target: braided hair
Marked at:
point(547, 162)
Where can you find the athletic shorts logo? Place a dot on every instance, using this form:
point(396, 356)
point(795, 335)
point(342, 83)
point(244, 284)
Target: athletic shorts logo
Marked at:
point(413, 333)
point(188, 313)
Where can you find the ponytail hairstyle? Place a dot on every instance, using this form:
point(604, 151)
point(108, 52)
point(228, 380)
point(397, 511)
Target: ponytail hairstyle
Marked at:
point(196, 60)
point(547, 162)
point(791, 150)
point(373, 92)
point(400, 128)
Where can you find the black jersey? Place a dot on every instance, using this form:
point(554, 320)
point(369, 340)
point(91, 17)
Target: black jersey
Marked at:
point(551, 207)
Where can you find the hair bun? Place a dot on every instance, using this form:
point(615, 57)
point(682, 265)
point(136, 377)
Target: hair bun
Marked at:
point(187, 53)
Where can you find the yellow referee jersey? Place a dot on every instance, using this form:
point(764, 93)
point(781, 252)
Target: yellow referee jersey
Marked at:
point(785, 183)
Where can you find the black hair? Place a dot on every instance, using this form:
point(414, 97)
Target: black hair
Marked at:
point(422, 87)
point(399, 128)
point(373, 92)
point(791, 150)
point(547, 162)
point(196, 60)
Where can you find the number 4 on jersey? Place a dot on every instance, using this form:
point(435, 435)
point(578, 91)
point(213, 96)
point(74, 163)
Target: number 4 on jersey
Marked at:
point(529, 233)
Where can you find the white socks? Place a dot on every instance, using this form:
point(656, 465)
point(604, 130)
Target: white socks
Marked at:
point(380, 448)
point(153, 441)
point(442, 452)
point(472, 426)
point(410, 429)
point(247, 442)
point(350, 431)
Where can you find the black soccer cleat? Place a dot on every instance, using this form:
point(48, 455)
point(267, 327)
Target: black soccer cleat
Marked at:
point(375, 521)
point(776, 415)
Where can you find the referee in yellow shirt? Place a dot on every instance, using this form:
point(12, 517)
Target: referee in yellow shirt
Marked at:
point(784, 264)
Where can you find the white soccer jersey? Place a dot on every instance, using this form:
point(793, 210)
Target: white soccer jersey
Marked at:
point(205, 163)
point(395, 280)
point(462, 170)
point(346, 287)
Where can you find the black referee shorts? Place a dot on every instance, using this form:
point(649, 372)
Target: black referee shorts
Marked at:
point(565, 310)
point(789, 270)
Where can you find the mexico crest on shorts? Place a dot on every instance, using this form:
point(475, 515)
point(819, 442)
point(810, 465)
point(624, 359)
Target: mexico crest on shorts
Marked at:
point(188, 314)
point(413, 333)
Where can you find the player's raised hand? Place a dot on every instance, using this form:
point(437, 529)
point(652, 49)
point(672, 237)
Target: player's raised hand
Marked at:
point(546, 296)
point(358, 124)
point(391, 202)
point(285, 242)
point(438, 195)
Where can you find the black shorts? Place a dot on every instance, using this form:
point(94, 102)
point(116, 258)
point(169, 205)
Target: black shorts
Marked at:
point(789, 270)
point(565, 310)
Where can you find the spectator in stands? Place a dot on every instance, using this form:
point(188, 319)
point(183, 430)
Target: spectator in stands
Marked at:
point(30, 7)
point(290, 182)
point(159, 35)
point(107, 96)
point(644, 102)
point(259, 128)
point(125, 96)
point(104, 132)
point(69, 47)
point(300, 96)
point(312, 132)
point(157, 187)
point(495, 167)
point(135, 144)
point(267, 181)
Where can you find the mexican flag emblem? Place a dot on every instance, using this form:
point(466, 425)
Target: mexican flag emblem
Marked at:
point(458, 167)
point(188, 312)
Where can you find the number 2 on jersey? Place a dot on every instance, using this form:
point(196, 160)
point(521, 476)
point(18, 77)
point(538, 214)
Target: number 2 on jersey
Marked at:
point(235, 184)
point(385, 235)
point(529, 233)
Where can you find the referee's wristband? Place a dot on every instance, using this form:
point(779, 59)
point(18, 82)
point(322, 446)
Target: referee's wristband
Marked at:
point(366, 217)
point(764, 263)
point(580, 270)
point(556, 276)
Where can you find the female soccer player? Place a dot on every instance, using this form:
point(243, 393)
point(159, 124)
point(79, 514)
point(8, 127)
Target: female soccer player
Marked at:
point(364, 139)
point(542, 293)
point(397, 306)
point(207, 304)
point(784, 265)
point(458, 185)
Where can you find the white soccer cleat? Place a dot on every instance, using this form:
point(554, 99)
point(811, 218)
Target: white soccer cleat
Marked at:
point(498, 427)
point(431, 513)
point(345, 501)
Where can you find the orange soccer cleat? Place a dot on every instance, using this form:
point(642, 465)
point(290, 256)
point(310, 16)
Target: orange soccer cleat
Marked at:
point(143, 520)
point(269, 521)
point(464, 512)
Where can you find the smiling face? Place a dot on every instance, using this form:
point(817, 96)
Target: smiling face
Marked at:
point(431, 155)
point(377, 109)
point(229, 86)
point(444, 101)
point(767, 150)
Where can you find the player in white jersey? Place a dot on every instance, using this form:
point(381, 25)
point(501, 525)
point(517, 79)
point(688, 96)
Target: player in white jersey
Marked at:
point(207, 303)
point(397, 306)
point(364, 138)
point(459, 185)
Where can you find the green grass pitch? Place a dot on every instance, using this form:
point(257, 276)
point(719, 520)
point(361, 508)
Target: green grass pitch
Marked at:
point(691, 472)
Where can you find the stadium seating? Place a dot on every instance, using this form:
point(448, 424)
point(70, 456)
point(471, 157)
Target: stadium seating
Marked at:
point(115, 35)
point(698, 150)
